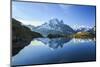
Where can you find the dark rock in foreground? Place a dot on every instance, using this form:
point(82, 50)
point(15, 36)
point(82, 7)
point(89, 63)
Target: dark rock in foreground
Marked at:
point(21, 36)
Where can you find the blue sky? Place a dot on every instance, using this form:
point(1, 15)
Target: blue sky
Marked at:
point(39, 13)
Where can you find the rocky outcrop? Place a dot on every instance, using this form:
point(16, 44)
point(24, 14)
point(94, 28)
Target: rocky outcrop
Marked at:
point(21, 36)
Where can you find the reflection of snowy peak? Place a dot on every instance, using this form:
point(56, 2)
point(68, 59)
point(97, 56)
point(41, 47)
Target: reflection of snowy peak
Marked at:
point(54, 26)
point(54, 43)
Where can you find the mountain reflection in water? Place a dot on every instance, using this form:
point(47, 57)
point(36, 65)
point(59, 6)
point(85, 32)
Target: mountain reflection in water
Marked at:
point(56, 50)
point(54, 42)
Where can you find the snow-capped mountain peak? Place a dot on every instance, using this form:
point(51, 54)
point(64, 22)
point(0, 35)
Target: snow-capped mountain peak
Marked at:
point(54, 26)
point(55, 21)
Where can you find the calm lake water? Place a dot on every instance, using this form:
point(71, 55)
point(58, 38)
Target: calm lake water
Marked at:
point(56, 50)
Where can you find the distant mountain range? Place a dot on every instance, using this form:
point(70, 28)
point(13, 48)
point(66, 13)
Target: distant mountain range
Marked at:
point(82, 29)
point(55, 26)
point(92, 30)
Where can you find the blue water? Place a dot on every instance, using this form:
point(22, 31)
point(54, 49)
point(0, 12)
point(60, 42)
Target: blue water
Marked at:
point(56, 50)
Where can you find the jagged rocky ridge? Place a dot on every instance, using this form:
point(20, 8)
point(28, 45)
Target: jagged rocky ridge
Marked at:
point(53, 26)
